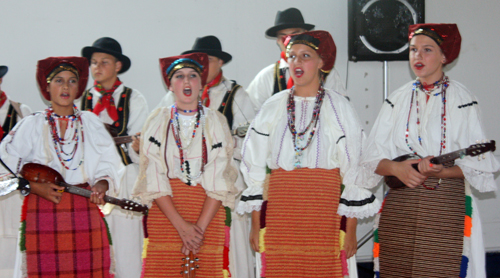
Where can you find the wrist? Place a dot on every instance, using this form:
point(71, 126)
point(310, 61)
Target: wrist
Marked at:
point(202, 226)
point(180, 225)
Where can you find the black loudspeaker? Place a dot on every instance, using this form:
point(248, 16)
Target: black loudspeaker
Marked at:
point(378, 29)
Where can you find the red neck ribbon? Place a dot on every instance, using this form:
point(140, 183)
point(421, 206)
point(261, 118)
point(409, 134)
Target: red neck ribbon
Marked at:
point(205, 97)
point(106, 101)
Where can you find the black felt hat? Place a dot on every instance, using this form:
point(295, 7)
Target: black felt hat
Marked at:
point(210, 45)
point(108, 46)
point(3, 70)
point(289, 18)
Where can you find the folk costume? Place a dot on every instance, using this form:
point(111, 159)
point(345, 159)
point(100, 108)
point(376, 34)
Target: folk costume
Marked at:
point(70, 238)
point(432, 230)
point(299, 158)
point(187, 158)
point(276, 77)
point(10, 205)
point(126, 110)
point(229, 98)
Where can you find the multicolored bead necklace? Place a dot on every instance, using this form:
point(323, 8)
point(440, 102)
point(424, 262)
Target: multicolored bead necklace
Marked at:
point(75, 121)
point(299, 136)
point(417, 86)
point(200, 118)
point(187, 111)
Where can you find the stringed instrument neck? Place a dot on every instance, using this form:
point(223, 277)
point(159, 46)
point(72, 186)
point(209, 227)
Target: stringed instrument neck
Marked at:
point(473, 150)
point(34, 172)
point(123, 139)
point(87, 193)
point(118, 139)
point(189, 266)
point(442, 159)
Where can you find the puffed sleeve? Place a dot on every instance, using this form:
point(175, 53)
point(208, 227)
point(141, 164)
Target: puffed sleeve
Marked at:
point(253, 165)
point(243, 113)
point(334, 82)
point(378, 146)
point(261, 87)
point(152, 181)
point(17, 146)
point(106, 163)
point(478, 171)
point(355, 201)
point(221, 172)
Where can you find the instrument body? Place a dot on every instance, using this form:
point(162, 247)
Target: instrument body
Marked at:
point(35, 172)
point(472, 150)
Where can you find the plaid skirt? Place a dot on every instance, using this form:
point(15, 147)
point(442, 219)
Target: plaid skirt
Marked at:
point(69, 239)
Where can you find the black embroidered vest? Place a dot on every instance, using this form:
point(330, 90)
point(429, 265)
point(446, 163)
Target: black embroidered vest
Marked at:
point(120, 125)
point(10, 120)
point(226, 107)
point(279, 78)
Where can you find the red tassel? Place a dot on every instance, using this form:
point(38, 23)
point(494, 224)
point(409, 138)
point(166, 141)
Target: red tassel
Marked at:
point(225, 262)
point(24, 208)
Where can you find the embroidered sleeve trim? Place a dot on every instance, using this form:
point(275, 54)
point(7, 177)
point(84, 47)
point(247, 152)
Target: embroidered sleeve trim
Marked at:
point(357, 203)
point(467, 104)
point(154, 141)
point(251, 198)
point(218, 145)
point(340, 138)
point(260, 133)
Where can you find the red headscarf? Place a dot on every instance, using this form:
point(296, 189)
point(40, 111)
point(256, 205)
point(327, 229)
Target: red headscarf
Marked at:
point(197, 61)
point(446, 36)
point(321, 41)
point(47, 66)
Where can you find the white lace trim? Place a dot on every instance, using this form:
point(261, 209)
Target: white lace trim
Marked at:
point(482, 181)
point(366, 175)
point(226, 199)
point(359, 212)
point(249, 206)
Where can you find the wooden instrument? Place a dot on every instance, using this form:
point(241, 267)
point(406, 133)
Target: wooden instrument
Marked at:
point(472, 150)
point(34, 172)
point(119, 139)
point(124, 139)
point(189, 266)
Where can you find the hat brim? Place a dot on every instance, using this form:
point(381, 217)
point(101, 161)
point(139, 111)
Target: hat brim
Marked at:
point(224, 56)
point(89, 50)
point(3, 71)
point(272, 32)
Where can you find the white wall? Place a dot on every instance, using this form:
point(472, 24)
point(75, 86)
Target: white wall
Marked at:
point(31, 30)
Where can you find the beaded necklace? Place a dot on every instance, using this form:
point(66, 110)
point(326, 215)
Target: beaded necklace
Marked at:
point(187, 111)
point(299, 136)
point(75, 121)
point(417, 86)
point(200, 118)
